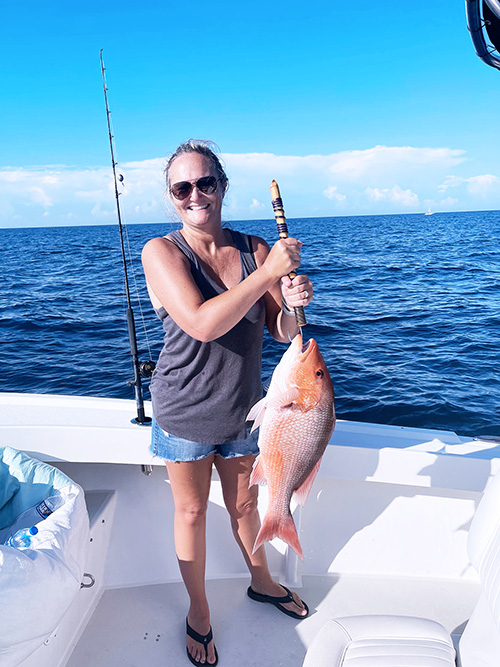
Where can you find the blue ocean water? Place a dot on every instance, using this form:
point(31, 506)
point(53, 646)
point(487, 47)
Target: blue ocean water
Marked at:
point(406, 313)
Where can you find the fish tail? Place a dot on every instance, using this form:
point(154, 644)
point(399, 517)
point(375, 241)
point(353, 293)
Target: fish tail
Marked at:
point(278, 527)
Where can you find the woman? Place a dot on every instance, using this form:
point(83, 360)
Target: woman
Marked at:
point(214, 289)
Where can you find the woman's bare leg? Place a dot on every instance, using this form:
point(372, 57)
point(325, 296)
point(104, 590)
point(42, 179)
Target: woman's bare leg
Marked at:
point(190, 481)
point(241, 503)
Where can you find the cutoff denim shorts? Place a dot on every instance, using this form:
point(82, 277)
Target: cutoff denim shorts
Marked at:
point(171, 448)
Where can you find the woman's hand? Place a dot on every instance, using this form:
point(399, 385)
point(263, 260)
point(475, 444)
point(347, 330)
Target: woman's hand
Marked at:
point(283, 258)
point(296, 292)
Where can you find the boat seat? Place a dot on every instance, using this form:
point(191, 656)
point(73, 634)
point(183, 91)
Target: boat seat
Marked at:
point(37, 585)
point(370, 641)
point(391, 641)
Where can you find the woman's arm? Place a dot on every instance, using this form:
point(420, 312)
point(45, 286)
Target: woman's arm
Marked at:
point(171, 285)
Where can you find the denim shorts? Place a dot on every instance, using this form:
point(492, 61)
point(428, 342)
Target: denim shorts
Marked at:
point(171, 448)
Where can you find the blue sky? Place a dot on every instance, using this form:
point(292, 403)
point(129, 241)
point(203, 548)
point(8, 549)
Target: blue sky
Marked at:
point(355, 108)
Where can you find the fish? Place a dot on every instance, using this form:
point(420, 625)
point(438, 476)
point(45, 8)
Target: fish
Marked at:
point(296, 419)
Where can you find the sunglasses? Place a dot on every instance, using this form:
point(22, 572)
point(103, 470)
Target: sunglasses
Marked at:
point(182, 190)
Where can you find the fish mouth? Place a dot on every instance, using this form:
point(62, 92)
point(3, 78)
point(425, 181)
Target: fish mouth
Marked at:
point(307, 348)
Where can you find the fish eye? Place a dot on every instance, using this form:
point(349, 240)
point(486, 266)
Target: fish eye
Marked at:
point(319, 373)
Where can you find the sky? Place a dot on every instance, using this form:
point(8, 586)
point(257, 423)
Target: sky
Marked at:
point(354, 108)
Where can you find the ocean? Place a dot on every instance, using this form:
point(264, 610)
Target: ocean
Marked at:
point(406, 313)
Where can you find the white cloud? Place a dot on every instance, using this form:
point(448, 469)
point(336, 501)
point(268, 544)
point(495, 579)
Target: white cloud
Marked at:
point(256, 205)
point(395, 195)
point(478, 184)
point(101, 213)
point(38, 195)
point(331, 193)
point(82, 195)
point(392, 160)
point(483, 185)
point(382, 179)
point(451, 182)
point(448, 202)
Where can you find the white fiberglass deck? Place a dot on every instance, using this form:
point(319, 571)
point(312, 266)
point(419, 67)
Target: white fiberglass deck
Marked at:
point(144, 626)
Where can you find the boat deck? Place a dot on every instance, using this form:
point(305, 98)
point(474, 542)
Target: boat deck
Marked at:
point(144, 626)
point(385, 532)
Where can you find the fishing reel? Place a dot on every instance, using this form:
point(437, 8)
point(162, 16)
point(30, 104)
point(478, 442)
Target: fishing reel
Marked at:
point(146, 369)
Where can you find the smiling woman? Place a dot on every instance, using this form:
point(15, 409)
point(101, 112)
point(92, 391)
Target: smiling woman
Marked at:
point(214, 289)
point(192, 194)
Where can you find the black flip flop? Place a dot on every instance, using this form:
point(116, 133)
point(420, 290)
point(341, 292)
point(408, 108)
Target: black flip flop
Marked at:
point(278, 602)
point(201, 639)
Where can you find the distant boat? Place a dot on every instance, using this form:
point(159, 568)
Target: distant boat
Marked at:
point(429, 212)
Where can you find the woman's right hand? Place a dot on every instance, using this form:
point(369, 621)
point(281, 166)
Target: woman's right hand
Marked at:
point(283, 258)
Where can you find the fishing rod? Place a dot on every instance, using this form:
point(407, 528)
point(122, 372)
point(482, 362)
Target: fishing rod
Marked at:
point(279, 214)
point(141, 369)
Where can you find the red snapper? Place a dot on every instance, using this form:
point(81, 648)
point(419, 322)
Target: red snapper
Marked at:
point(296, 420)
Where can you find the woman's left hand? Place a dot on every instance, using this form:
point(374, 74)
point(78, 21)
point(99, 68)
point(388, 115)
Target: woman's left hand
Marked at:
point(296, 292)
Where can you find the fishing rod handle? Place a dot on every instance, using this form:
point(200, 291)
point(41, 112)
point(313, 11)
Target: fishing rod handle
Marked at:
point(279, 214)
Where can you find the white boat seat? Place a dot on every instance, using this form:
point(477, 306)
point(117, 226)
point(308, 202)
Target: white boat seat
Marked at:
point(393, 641)
point(381, 641)
point(479, 645)
point(37, 585)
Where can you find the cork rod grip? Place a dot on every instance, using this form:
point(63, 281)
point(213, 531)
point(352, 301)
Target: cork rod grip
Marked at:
point(279, 214)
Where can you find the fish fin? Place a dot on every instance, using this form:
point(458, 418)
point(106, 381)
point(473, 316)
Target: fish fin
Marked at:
point(301, 494)
point(274, 466)
point(282, 528)
point(257, 476)
point(283, 399)
point(257, 413)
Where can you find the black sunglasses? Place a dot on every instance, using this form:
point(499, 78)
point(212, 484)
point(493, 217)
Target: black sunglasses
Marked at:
point(182, 190)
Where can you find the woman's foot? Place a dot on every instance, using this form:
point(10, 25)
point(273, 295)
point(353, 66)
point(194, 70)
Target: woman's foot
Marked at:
point(200, 647)
point(287, 601)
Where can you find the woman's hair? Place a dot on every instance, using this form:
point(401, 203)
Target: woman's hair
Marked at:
point(202, 147)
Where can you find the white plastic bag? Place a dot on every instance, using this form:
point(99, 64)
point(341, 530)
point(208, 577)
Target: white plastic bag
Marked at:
point(37, 585)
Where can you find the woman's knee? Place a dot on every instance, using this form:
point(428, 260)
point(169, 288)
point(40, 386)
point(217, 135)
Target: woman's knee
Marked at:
point(192, 513)
point(242, 507)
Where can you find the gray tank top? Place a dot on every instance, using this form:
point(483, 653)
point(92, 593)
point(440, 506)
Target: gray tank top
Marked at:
point(204, 391)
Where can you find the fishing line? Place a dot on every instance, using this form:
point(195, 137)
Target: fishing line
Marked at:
point(134, 275)
point(131, 260)
point(139, 302)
